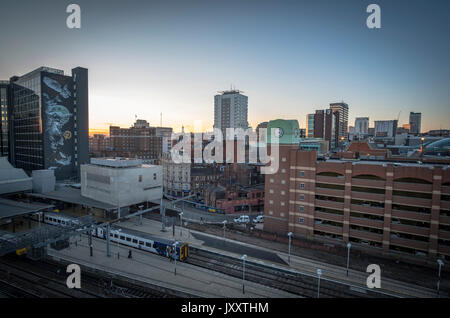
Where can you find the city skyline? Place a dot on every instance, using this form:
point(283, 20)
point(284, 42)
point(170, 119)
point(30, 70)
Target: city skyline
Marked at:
point(289, 60)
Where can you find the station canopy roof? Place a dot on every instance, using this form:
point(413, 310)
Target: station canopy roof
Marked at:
point(11, 208)
point(73, 195)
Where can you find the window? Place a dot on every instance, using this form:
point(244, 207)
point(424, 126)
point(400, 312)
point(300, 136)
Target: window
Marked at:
point(122, 237)
point(154, 176)
point(302, 185)
point(148, 244)
point(302, 208)
point(140, 178)
point(302, 197)
point(302, 173)
point(301, 220)
point(134, 241)
point(129, 239)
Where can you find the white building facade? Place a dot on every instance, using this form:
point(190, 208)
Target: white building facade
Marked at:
point(121, 182)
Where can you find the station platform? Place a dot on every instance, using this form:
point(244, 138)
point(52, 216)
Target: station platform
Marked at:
point(157, 270)
point(276, 259)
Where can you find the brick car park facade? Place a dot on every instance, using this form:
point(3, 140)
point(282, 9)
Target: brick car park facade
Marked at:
point(399, 207)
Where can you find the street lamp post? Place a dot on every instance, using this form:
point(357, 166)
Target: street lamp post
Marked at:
point(348, 255)
point(175, 256)
point(289, 249)
point(224, 226)
point(441, 263)
point(243, 258)
point(422, 142)
point(140, 215)
point(319, 273)
point(181, 222)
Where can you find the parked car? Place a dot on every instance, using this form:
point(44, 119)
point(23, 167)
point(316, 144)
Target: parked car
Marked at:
point(259, 219)
point(242, 219)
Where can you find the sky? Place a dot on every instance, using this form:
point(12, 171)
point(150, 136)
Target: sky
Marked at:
point(289, 57)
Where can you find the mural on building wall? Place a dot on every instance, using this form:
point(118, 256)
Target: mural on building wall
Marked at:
point(58, 123)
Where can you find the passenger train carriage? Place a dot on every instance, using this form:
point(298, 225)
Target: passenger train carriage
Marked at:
point(128, 237)
point(144, 241)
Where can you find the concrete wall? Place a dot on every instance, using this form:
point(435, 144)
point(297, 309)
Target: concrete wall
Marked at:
point(121, 186)
point(43, 181)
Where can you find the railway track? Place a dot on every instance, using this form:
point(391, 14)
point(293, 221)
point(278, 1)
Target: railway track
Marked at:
point(36, 281)
point(295, 283)
point(23, 278)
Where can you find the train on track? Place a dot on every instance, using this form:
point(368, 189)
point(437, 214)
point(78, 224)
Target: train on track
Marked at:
point(127, 237)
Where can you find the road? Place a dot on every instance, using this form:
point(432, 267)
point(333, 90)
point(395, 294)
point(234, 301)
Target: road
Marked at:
point(193, 214)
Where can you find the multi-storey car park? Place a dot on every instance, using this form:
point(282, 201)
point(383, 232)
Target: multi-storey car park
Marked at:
point(401, 207)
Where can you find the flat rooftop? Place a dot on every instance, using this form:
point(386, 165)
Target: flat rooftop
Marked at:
point(117, 162)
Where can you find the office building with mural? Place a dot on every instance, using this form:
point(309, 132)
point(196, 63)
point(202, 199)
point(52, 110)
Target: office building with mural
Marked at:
point(49, 118)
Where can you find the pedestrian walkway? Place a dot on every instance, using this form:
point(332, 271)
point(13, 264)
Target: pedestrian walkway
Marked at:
point(299, 264)
point(160, 271)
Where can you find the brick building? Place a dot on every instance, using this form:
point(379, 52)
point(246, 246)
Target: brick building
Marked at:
point(240, 201)
point(403, 207)
point(99, 145)
point(139, 141)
